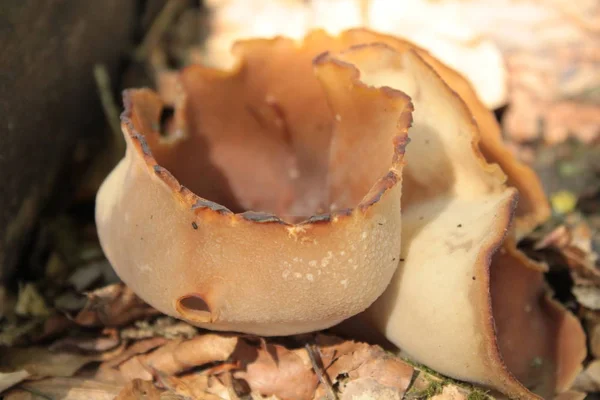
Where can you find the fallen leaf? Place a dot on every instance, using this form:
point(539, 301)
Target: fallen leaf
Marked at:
point(278, 371)
point(30, 302)
point(202, 387)
point(387, 371)
point(113, 305)
point(222, 386)
point(64, 389)
point(96, 344)
point(573, 243)
point(40, 362)
point(191, 386)
point(10, 379)
point(139, 390)
point(589, 380)
point(360, 361)
point(369, 388)
point(139, 347)
point(587, 296)
point(180, 355)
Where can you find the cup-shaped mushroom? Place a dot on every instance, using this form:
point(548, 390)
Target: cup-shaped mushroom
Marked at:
point(456, 303)
point(268, 201)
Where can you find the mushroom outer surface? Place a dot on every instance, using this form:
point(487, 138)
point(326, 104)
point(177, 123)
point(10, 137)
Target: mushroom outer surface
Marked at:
point(312, 241)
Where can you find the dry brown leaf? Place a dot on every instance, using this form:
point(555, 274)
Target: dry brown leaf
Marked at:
point(587, 296)
point(222, 387)
point(139, 347)
point(41, 362)
point(368, 388)
point(387, 371)
point(278, 371)
point(192, 386)
point(139, 390)
point(589, 380)
point(179, 355)
point(99, 344)
point(369, 368)
point(113, 305)
point(201, 387)
point(573, 241)
point(10, 379)
point(64, 389)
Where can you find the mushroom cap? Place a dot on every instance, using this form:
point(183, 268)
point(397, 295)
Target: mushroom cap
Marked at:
point(271, 205)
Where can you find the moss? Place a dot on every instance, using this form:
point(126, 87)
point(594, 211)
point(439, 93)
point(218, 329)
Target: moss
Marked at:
point(425, 369)
point(478, 394)
point(434, 388)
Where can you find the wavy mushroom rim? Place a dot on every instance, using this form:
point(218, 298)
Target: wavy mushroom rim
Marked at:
point(200, 204)
point(533, 208)
point(501, 376)
point(489, 143)
point(484, 260)
point(512, 385)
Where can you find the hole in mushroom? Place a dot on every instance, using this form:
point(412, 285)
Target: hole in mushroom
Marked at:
point(166, 121)
point(193, 307)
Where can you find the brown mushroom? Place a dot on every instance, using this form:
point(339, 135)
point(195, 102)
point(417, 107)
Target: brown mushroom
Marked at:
point(333, 147)
point(265, 208)
point(456, 214)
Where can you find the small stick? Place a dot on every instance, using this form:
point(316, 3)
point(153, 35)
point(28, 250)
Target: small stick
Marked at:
point(111, 111)
point(313, 355)
point(160, 25)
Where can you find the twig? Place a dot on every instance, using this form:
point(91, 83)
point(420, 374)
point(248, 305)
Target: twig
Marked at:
point(111, 111)
point(159, 27)
point(317, 367)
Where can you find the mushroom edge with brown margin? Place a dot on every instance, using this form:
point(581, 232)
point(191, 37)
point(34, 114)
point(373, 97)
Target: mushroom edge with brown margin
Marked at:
point(248, 271)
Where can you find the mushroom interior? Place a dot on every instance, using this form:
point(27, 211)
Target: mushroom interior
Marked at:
point(263, 137)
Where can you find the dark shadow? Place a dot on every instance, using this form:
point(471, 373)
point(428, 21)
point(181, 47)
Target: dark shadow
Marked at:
point(187, 155)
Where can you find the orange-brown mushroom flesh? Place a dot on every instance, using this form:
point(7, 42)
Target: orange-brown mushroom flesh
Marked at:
point(316, 236)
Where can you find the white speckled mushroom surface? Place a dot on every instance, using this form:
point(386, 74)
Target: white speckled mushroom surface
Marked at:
point(267, 209)
point(271, 205)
